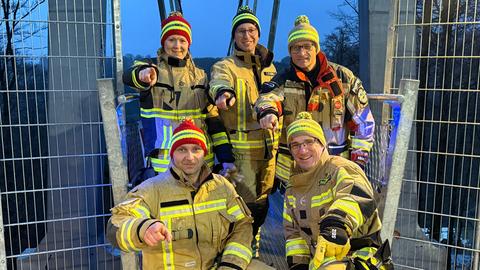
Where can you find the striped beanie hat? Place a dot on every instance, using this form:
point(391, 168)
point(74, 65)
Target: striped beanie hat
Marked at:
point(245, 15)
point(305, 125)
point(188, 133)
point(303, 31)
point(175, 24)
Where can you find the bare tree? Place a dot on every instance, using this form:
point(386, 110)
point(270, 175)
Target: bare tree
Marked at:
point(342, 45)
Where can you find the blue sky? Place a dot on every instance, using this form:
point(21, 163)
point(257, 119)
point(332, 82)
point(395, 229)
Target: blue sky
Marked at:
point(211, 22)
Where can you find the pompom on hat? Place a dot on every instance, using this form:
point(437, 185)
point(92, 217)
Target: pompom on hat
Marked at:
point(245, 15)
point(305, 125)
point(303, 31)
point(188, 133)
point(175, 24)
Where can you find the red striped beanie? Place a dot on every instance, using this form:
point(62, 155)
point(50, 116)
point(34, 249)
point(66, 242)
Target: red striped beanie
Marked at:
point(175, 24)
point(188, 133)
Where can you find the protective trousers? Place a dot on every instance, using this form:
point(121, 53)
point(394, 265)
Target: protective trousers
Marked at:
point(255, 187)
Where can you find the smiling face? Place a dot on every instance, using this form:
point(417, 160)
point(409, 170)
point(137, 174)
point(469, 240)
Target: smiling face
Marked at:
point(246, 37)
point(306, 151)
point(303, 54)
point(189, 158)
point(176, 46)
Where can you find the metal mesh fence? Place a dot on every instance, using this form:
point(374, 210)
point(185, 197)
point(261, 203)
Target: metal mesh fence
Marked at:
point(54, 188)
point(437, 224)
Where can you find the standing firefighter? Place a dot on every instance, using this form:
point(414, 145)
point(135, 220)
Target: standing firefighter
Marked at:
point(330, 215)
point(331, 92)
point(185, 217)
point(172, 88)
point(235, 84)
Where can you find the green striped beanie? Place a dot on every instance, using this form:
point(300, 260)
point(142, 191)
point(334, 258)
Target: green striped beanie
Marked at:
point(305, 125)
point(245, 15)
point(303, 31)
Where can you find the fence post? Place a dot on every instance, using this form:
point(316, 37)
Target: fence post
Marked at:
point(3, 255)
point(409, 89)
point(116, 162)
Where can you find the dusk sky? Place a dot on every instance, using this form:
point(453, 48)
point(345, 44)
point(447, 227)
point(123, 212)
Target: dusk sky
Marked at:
point(211, 23)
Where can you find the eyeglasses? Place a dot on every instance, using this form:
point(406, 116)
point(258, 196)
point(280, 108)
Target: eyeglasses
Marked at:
point(307, 143)
point(250, 31)
point(298, 48)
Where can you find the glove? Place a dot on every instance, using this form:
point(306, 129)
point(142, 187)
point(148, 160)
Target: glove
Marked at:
point(332, 242)
point(360, 157)
point(230, 172)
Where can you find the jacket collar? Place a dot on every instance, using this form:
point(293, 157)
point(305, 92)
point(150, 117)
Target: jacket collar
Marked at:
point(173, 61)
point(326, 77)
point(261, 59)
point(179, 175)
point(300, 177)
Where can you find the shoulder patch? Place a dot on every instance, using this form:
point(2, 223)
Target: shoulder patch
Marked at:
point(362, 96)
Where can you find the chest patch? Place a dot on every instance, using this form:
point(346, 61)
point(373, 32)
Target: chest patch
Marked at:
point(325, 180)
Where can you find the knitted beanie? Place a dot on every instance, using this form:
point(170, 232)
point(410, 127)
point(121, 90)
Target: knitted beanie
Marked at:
point(303, 31)
point(305, 125)
point(188, 133)
point(175, 24)
point(245, 15)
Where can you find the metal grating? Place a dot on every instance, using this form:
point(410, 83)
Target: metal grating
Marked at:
point(437, 43)
point(54, 188)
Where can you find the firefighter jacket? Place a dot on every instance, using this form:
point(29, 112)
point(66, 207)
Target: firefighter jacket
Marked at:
point(206, 223)
point(180, 92)
point(335, 190)
point(337, 100)
point(242, 74)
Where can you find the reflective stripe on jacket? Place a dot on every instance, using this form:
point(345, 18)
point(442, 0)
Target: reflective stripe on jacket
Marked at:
point(206, 222)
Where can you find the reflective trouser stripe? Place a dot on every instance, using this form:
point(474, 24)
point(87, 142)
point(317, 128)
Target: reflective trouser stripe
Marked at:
point(238, 250)
point(241, 110)
point(296, 246)
point(236, 212)
point(322, 199)
point(245, 144)
point(284, 164)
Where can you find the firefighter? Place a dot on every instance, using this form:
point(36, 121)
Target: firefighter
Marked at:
point(331, 92)
point(172, 88)
point(331, 219)
point(185, 217)
point(235, 83)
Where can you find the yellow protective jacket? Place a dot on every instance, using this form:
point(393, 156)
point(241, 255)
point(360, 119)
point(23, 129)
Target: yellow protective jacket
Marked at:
point(335, 190)
point(242, 74)
point(180, 92)
point(342, 111)
point(206, 222)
